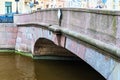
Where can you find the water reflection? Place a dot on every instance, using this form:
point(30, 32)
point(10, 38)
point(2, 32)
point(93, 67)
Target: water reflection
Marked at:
point(25, 68)
point(16, 67)
point(64, 70)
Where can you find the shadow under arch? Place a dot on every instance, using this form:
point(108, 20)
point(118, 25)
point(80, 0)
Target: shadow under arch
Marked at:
point(45, 47)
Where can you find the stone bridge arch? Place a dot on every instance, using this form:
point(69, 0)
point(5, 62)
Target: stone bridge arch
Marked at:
point(46, 47)
point(76, 29)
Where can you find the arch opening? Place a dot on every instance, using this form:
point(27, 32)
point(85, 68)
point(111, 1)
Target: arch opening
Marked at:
point(45, 47)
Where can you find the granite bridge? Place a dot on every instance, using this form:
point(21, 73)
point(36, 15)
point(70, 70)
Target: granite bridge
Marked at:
point(92, 35)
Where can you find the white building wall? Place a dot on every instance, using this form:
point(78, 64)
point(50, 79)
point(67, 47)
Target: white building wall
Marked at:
point(92, 3)
point(109, 4)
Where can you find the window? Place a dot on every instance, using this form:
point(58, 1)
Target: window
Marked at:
point(8, 7)
point(51, 6)
point(47, 6)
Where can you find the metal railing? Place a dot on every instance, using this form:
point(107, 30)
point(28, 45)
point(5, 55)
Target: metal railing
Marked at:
point(6, 18)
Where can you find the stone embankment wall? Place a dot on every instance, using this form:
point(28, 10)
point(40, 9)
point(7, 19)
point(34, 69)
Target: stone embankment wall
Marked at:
point(8, 35)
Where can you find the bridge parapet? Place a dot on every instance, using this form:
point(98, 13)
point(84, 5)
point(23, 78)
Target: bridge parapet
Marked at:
point(99, 24)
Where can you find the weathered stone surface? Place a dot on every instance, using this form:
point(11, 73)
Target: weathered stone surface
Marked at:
point(103, 64)
point(7, 46)
point(118, 28)
point(75, 47)
point(18, 40)
point(11, 35)
point(2, 35)
point(118, 42)
point(3, 40)
point(11, 41)
point(115, 75)
point(71, 45)
point(2, 29)
point(11, 29)
point(81, 49)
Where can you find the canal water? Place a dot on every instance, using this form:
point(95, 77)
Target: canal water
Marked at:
point(17, 67)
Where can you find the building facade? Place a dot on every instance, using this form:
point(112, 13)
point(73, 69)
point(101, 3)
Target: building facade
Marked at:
point(105, 4)
point(7, 6)
point(12, 6)
point(43, 4)
point(28, 6)
point(34, 5)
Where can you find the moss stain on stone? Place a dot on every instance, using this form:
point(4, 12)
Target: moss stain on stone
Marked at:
point(24, 53)
point(114, 28)
point(7, 51)
point(16, 52)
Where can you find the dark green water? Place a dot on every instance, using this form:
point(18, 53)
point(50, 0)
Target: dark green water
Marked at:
point(16, 67)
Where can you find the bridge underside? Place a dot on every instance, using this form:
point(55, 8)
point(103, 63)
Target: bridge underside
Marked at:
point(45, 47)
